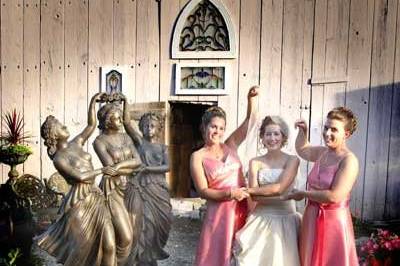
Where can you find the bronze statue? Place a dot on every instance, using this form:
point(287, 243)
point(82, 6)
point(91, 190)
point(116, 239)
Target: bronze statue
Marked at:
point(84, 235)
point(113, 146)
point(149, 199)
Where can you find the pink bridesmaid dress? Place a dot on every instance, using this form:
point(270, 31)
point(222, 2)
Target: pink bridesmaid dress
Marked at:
point(223, 218)
point(327, 236)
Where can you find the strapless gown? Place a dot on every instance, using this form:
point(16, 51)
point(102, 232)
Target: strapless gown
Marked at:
point(270, 235)
point(327, 236)
point(223, 218)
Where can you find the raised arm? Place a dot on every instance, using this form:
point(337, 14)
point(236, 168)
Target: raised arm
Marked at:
point(237, 136)
point(88, 130)
point(201, 184)
point(303, 147)
point(276, 189)
point(129, 128)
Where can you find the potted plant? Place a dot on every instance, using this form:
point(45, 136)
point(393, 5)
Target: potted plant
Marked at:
point(13, 150)
point(15, 208)
point(381, 249)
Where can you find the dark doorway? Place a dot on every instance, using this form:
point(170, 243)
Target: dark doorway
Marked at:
point(184, 138)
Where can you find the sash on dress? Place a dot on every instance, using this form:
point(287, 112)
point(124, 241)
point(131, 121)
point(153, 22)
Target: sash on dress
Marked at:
point(318, 247)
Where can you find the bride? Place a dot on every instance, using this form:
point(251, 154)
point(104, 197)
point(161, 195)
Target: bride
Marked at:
point(270, 235)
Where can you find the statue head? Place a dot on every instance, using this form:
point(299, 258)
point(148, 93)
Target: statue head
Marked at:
point(150, 125)
point(110, 116)
point(52, 131)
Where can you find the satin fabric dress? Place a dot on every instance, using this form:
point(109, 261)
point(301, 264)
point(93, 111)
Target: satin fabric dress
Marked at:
point(271, 233)
point(327, 236)
point(223, 218)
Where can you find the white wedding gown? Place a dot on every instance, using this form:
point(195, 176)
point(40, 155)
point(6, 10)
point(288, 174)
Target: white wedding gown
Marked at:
point(271, 233)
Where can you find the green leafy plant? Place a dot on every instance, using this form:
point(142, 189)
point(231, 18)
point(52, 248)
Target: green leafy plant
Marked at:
point(12, 257)
point(14, 138)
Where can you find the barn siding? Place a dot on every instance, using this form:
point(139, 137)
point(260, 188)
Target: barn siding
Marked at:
point(51, 51)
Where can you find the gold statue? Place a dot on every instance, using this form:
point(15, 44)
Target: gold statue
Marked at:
point(84, 234)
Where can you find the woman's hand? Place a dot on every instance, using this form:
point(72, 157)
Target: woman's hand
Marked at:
point(301, 124)
point(99, 97)
point(253, 92)
point(295, 194)
point(239, 194)
point(110, 171)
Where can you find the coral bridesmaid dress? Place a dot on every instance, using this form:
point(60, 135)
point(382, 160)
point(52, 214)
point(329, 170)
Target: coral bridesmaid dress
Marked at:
point(327, 236)
point(223, 218)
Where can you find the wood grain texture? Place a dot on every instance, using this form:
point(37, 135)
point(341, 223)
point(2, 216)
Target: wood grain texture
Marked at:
point(147, 52)
point(380, 105)
point(124, 48)
point(357, 93)
point(31, 83)
point(12, 61)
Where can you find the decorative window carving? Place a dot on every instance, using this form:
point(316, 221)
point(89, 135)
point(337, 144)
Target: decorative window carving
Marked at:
point(201, 79)
point(204, 30)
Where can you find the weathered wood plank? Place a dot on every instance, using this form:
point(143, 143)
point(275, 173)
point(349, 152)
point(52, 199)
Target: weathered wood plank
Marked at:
point(376, 162)
point(318, 70)
point(100, 51)
point(308, 29)
point(357, 94)
point(392, 210)
point(147, 53)
point(169, 15)
point(12, 60)
point(249, 57)
point(31, 79)
point(249, 52)
point(271, 57)
point(76, 56)
point(292, 69)
point(125, 42)
point(229, 102)
point(52, 69)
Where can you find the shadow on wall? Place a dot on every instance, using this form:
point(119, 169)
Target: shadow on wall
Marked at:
point(376, 195)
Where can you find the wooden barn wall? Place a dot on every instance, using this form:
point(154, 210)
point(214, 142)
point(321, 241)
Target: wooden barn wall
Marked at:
point(306, 55)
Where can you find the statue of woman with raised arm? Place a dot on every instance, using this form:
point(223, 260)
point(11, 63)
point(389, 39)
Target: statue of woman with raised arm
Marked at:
point(84, 234)
point(149, 199)
point(114, 146)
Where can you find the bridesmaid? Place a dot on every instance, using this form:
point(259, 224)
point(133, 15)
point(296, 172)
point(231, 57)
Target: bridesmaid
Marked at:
point(217, 174)
point(327, 236)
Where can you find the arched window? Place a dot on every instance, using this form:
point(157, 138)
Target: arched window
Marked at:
point(204, 30)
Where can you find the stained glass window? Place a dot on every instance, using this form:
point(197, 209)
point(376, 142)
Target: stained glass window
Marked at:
point(204, 30)
point(202, 78)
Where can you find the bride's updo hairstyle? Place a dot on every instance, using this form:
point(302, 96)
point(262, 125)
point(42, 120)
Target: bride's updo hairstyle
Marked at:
point(275, 120)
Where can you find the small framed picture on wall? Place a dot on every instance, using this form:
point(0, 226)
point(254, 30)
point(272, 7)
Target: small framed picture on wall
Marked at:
point(202, 78)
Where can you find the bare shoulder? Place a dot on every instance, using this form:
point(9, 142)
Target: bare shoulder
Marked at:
point(350, 159)
point(257, 160)
point(198, 155)
point(292, 158)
